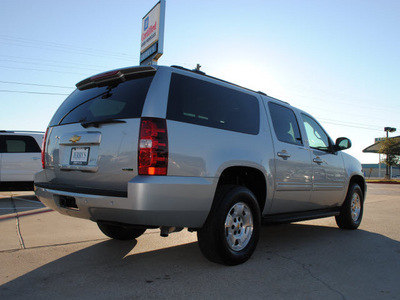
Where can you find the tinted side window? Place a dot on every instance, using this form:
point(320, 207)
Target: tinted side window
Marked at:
point(317, 138)
point(200, 102)
point(285, 124)
point(121, 102)
point(18, 144)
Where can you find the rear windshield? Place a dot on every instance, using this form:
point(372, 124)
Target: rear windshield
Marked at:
point(203, 103)
point(123, 101)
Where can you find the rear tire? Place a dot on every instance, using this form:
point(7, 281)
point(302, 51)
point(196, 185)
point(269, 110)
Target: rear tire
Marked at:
point(120, 232)
point(352, 209)
point(232, 229)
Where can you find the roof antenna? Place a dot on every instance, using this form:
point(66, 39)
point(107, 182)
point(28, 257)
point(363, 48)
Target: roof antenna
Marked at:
point(197, 70)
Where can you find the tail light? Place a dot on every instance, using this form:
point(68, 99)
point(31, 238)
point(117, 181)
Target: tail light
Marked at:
point(153, 147)
point(44, 149)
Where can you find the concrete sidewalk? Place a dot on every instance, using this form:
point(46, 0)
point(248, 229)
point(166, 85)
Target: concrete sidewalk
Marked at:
point(22, 214)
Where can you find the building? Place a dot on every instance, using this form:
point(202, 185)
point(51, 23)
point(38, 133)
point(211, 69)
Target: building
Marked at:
point(379, 171)
point(375, 170)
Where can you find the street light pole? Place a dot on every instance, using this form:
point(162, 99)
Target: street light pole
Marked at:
point(388, 171)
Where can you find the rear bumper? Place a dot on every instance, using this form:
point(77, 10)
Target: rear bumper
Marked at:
point(151, 201)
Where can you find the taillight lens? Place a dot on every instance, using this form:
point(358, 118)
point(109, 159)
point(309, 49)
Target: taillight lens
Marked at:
point(153, 147)
point(44, 149)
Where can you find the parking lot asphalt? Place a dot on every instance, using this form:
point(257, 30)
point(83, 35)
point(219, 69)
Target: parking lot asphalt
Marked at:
point(45, 255)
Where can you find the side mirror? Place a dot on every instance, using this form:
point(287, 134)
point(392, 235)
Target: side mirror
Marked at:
point(342, 143)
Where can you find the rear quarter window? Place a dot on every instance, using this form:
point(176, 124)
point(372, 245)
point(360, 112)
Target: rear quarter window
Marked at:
point(18, 144)
point(199, 102)
point(100, 103)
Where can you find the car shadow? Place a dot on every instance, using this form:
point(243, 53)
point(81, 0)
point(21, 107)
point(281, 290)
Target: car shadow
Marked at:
point(302, 260)
point(20, 206)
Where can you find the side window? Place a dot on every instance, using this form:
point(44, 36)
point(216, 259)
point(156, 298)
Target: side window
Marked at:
point(285, 124)
point(203, 103)
point(317, 138)
point(19, 144)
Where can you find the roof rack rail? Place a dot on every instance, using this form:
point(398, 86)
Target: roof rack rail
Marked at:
point(197, 71)
point(279, 100)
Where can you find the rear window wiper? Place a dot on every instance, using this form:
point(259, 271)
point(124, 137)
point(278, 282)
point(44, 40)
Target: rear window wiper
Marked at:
point(98, 123)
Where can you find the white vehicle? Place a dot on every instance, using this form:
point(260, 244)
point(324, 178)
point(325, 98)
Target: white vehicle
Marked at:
point(20, 156)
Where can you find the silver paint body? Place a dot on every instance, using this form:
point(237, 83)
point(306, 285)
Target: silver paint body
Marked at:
point(197, 157)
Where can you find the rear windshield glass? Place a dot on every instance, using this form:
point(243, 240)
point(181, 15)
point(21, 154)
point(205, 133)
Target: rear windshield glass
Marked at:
point(103, 103)
point(203, 103)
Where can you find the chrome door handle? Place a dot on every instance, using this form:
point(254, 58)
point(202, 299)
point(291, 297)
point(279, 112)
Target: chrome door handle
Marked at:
point(283, 154)
point(318, 160)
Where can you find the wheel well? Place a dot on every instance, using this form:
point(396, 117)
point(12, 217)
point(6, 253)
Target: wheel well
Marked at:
point(251, 178)
point(360, 181)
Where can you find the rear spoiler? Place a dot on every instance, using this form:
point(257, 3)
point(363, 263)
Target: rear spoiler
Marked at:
point(114, 77)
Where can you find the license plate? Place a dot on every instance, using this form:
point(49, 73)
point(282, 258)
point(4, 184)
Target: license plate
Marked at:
point(80, 156)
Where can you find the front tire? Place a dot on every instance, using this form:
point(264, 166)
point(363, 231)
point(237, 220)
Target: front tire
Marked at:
point(352, 209)
point(120, 232)
point(232, 229)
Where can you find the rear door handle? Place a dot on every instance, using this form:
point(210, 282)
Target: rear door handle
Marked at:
point(318, 160)
point(284, 155)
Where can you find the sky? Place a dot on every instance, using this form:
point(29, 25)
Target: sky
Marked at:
point(339, 60)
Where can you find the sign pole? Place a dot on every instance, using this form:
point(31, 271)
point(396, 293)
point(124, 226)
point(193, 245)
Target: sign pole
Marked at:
point(162, 27)
point(152, 37)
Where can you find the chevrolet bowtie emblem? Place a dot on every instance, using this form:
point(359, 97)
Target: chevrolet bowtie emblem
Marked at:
point(75, 138)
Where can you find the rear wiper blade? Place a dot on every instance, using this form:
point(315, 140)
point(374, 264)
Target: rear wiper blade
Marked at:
point(98, 123)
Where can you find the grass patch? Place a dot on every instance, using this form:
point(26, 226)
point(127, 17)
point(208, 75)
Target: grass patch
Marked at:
point(392, 181)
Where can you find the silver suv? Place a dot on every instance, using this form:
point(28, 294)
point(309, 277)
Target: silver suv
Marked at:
point(149, 147)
